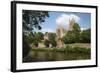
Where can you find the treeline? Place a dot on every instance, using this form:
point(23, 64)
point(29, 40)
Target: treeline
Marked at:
point(77, 36)
point(38, 37)
point(51, 40)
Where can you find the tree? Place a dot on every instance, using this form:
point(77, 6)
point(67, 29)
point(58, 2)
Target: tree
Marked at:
point(31, 19)
point(69, 37)
point(38, 36)
point(73, 35)
point(85, 36)
point(26, 47)
point(76, 31)
point(52, 37)
point(76, 27)
point(46, 43)
point(41, 35)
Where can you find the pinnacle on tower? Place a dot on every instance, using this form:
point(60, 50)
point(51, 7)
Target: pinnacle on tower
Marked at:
point(71, 23)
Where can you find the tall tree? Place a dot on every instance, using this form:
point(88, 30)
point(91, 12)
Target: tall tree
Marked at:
point(31, 20)
point(73, 35)
point(69, 37)
point(41, 35)
point(76, 30)
point(52, 39)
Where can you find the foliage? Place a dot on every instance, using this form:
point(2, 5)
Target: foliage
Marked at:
point(46, 43)
point(41, 35)
point(38, 36)
point(72, 36)
point(76, 31)
point(26, 47)
point(31, 20)
point(52, 37)
point(69, 37)
point(85, 36)
point(76, 27)
point(69, 49)
point(29, 38)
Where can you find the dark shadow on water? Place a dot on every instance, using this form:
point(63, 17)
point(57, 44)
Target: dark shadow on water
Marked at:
point(43, 56)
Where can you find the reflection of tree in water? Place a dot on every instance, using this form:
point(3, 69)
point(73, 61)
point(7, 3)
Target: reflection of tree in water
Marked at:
point(42, 56)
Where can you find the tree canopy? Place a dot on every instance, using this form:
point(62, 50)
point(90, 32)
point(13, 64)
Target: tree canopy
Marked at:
point(72, 36)
point(31, 20)
point(77, 36)
point(76, 31)
point(85, 36)
point(52, 37)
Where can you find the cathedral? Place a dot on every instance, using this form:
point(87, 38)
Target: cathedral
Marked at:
point(60, 32)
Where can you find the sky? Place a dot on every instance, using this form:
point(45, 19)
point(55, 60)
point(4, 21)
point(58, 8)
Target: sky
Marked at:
point(61, 19)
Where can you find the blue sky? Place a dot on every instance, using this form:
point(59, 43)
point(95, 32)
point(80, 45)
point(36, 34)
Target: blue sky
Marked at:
point(62, 18)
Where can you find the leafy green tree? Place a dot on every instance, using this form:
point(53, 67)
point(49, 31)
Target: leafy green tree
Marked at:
point(38, 36)
point(69, 37)
point(31, 20)
point(76, 27)
point(30, 38)
point(26, 47)
point(46, 43)
point(41, 35)
point(85, 36)
point(52, 37)
point(73, 35)
point(76, 31)
point(36, 39)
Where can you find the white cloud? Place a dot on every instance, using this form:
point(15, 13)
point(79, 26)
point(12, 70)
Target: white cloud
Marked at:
point(46, 30)
point(64, 19)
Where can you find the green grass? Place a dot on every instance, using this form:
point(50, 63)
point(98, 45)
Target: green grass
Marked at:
point(66, 49)
point(81, 45)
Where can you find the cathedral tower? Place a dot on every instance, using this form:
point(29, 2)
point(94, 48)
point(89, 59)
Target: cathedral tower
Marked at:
point(71, 23)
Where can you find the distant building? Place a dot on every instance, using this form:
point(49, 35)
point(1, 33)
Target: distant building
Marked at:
point(59, 35)
point(60, 32)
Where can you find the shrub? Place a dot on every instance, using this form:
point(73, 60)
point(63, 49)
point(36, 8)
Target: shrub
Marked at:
point(69, 37)
point(85, 36)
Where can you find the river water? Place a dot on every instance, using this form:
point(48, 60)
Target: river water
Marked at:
point(41, 56)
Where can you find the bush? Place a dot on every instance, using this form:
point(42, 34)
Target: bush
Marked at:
point(85, 36)
point(69, 37)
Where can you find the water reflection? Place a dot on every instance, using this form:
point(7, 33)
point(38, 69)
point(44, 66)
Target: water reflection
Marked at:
point(38, 56)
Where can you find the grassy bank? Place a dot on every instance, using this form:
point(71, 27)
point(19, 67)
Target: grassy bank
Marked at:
point(66, 49)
